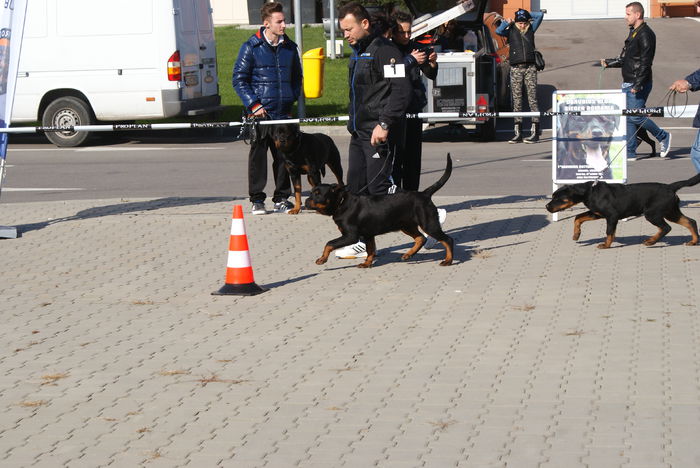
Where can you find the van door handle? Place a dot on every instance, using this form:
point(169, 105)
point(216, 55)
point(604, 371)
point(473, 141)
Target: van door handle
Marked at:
point(203, 47)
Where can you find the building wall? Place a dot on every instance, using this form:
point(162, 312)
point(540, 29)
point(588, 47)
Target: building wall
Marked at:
point(230, 11)
point(236, 11)
point(653, 8)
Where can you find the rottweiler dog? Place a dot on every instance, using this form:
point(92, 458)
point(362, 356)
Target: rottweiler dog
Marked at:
point(585, 141)
point(367, 216)
point(613, 202)
point(306, 153)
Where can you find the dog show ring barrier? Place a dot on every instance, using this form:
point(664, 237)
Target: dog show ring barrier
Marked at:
point(688, 112)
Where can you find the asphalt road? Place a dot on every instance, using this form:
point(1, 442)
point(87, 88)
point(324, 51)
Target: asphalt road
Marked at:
point(188, 164)
point(41, 172)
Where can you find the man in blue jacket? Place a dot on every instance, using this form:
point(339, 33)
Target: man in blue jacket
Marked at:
point(267, 77)
point(692, 83)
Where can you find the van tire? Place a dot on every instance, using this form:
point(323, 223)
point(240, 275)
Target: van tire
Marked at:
point(67, 111)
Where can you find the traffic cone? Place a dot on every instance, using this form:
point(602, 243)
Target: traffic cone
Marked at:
point(239, 272)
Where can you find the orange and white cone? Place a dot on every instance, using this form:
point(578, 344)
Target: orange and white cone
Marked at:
point(239, 272)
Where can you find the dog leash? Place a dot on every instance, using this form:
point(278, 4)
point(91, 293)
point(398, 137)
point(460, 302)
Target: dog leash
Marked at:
point(671, 104)
point(666, 97)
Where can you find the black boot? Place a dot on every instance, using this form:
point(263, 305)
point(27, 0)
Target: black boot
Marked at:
point(535, 135)
point(518, 133)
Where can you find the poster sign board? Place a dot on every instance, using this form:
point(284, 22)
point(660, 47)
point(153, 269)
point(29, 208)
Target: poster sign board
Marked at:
point(589, 147)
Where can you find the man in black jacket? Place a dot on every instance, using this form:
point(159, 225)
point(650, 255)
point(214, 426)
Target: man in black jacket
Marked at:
point(635, 60)
point(380, 92)
point(407, 163)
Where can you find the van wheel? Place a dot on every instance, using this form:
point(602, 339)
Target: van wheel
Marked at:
point(67, 112)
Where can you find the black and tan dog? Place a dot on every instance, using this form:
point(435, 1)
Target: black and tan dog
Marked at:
point(306, 153)
point(585, 141)
point(616, 201)
point(367, 216)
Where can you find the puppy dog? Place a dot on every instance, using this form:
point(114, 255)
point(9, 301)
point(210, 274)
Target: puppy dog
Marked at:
point(585, 141)
point(616, 201)
point(368, 216)
point(306, 153)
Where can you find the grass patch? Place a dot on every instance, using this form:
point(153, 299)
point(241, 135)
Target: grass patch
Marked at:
point(334, 101)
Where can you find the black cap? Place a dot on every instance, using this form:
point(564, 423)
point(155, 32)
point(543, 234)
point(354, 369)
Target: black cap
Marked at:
point(522, 16)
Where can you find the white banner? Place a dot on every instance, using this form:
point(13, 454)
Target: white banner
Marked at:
point(589, 147)
point(12, 15)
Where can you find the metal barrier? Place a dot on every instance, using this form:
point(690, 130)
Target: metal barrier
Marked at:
point(688, 112)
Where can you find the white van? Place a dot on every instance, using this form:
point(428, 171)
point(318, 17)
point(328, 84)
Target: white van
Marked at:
point(86, 61)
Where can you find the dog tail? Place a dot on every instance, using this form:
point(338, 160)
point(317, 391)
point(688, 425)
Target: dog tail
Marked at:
point(676, 186)
point(438, 185)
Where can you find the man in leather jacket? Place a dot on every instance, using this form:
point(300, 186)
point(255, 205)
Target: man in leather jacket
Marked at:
point(635, 60)
point(267, 77)
point(380, 92)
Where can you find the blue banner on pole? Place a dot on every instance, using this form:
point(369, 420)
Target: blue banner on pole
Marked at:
point(12, 16)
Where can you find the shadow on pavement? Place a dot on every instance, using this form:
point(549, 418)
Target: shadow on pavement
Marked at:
point(123, 208)
point(501, 228)
point(480, 203)
point(289, 281)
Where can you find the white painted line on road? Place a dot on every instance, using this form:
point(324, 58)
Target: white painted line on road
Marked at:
point(549, 129)
point(154, 148)
point(37, 189)
point(106, 148)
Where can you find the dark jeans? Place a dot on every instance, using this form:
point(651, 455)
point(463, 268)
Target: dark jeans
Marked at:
point(369, 167)
point(407, 160)
point(257, 168)
point(636, 101)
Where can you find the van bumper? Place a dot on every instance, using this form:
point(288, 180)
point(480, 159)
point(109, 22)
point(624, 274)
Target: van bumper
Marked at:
point(174, 106)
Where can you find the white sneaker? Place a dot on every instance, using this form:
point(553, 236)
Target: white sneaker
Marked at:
point(442, 215)
point(665, 146)
point(430, 242)
point(283, 206)
point(258, 208)
point(353, 251)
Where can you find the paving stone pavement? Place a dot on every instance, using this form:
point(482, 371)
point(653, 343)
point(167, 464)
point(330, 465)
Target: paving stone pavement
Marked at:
point(532, 350)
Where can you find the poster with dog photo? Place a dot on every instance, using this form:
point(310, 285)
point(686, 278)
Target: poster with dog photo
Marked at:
point(589, 147)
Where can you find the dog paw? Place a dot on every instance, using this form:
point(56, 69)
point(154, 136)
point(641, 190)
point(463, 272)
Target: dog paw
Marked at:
point(294, 211)
point(603, 246)
point(321, 260)
point(446, 263)
point(689, 243)
point(649, 242)
point(406, 256)
point(364, 265)
point(576, 237)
